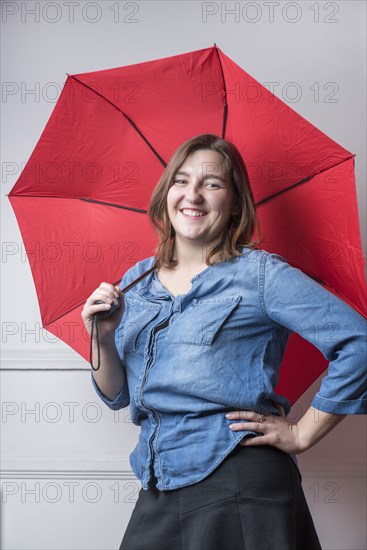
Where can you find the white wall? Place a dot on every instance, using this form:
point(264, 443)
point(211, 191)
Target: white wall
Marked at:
point(77, 465)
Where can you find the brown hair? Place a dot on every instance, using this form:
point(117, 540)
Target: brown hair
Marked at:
point(240, 228)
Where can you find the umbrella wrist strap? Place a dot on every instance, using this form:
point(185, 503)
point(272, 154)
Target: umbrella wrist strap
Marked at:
point(94, 325)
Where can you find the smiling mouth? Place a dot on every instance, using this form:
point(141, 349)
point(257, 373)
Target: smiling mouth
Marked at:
point(188, 213)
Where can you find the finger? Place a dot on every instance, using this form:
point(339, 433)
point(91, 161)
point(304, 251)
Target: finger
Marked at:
point(250, 426)
point(117, 292)
point(107, 300)
point(120, 294)
point(246, 415)
point(95, 308)
point(105, 296)
point(106, 287)
point(254, 441)
point(110, 289)
point(102, 295)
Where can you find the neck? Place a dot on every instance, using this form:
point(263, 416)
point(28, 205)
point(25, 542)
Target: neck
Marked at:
point(191, 257)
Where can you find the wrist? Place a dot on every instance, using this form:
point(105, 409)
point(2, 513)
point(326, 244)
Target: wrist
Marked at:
point(105, 342)
point(304, 442)
point(301, 443)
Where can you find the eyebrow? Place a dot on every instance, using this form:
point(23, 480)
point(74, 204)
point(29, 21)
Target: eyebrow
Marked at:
point(205, 176)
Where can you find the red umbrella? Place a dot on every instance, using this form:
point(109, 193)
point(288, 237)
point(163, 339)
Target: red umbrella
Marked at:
point(82, 198)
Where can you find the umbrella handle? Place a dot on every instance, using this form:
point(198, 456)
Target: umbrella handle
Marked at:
point(105, 314)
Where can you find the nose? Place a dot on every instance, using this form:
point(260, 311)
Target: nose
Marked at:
point(193, 194)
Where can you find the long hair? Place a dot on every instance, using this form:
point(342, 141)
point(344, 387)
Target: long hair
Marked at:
point(240, 228)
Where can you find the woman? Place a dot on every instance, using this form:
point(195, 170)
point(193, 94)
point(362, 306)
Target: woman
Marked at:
point(202, 336)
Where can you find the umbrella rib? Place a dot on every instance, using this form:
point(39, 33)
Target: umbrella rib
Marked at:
point(115, 205)
point(301, 181)
point(260, 203)
point(225, 106)
point(131, 122)
point(140, 210)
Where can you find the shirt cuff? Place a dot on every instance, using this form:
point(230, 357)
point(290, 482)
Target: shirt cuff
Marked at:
point(352, 406)
point(121, 401)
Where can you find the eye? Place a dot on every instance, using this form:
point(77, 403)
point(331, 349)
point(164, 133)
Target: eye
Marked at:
point(213, 185)
point(179, 181)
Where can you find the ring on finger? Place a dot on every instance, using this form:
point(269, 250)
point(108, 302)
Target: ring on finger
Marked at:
point(261, 418)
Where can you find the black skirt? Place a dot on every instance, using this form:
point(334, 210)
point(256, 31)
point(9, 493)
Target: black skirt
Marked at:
point(252, 501)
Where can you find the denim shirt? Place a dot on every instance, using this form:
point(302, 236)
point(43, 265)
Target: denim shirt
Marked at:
point(192, 358)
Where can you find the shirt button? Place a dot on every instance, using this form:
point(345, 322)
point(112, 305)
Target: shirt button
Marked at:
point(195, 301)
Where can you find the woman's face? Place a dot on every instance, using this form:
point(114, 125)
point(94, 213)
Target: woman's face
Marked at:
point(199, 202)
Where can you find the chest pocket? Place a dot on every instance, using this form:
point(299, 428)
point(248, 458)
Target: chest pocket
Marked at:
point(139, 316)
point(204, 321)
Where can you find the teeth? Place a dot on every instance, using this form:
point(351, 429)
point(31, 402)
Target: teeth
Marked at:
point(193, 213)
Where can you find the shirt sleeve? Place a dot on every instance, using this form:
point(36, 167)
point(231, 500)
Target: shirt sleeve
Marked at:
point(293, 300)
point(123, 398)
point(121, 401)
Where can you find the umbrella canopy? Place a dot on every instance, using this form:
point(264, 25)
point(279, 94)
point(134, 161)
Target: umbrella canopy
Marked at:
point(82, 198)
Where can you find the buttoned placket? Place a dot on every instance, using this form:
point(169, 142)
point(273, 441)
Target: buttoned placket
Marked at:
point(175, 309)
point(149, 357)
point(153, 461)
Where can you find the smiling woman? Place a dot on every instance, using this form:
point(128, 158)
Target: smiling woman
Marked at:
point(201, 204)
point(201, 200)
point(196, 350)
point(205, 174)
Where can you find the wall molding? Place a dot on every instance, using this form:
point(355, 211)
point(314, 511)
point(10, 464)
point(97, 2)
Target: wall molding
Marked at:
point(87, 468)
point(42, 359)
point(121, 475)
point(118, 468)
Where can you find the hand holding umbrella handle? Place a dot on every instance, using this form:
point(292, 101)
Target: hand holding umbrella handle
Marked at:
point(106, 314)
